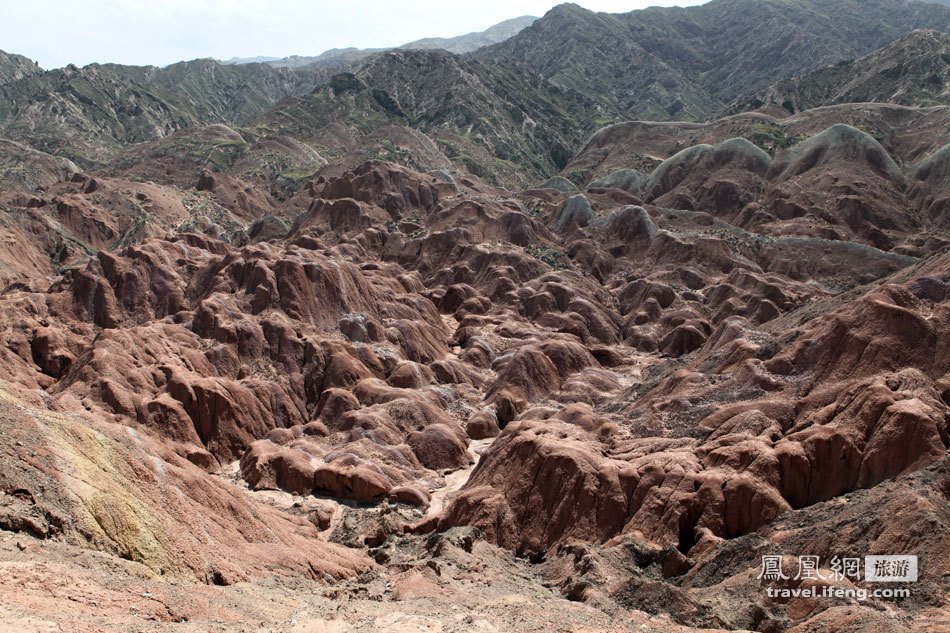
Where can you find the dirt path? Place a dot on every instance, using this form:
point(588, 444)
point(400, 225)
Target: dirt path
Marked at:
point(457, 479)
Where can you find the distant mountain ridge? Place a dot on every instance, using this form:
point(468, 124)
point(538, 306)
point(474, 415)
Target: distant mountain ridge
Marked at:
point(458, 45)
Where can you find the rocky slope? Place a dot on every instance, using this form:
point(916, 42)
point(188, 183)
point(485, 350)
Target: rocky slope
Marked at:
point(87, 114)
point(663, 63)
point(500, 123)
point(911, 71)
point(13, 67)
point(861, 172)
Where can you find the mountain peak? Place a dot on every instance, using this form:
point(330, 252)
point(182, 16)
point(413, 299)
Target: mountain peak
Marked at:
point(13, 67)
point(567, 8)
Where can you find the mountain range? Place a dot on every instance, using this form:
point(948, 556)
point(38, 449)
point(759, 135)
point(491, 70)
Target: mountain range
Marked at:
point(459, 44)
point(678, 63)
point(531, 99)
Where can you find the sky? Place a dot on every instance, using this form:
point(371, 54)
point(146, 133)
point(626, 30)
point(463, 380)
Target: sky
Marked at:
point(160, 32)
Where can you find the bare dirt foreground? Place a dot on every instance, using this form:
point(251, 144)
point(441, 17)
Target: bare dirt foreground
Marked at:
point(50, 586)
point(454, 581)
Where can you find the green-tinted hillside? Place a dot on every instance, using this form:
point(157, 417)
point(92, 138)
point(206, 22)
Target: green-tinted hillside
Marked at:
point(685, 63)
point(86, 114)
point(499, 121)
point(914, 70)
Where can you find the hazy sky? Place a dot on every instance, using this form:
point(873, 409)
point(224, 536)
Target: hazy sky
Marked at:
point(58, 32)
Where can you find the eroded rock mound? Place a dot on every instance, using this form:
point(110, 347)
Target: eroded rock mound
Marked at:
point(855, 399)
point(670, 366)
